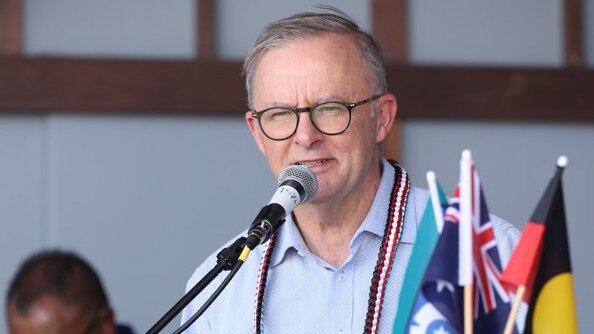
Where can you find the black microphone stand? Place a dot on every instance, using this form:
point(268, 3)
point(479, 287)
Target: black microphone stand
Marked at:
point(226, 260)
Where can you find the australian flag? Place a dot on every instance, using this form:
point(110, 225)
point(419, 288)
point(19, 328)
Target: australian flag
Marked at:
point(439, 307)
point(491, 303)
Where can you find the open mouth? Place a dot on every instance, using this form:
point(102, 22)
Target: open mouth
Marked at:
point(311, 164)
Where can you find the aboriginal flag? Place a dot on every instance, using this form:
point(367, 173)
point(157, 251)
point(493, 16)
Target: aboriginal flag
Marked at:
point(541, 263)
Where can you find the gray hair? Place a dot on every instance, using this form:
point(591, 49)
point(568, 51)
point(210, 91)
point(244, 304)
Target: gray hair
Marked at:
point(331, 20)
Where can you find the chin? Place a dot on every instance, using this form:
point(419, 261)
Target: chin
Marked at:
point(322, 196)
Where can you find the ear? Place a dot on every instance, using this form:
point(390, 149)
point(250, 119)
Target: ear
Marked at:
point(255, 131)
point(385, 115)
point(106, 321)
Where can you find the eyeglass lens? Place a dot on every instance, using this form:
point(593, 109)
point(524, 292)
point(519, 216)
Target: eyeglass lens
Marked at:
point(329, 118)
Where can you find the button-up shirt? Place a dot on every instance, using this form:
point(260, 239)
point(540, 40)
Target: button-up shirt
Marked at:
point(304, 293)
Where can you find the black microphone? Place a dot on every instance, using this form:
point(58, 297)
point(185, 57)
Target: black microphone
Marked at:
point(297, 184)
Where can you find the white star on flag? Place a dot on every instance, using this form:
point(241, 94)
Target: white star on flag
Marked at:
point(441, 330)
point(444, 284)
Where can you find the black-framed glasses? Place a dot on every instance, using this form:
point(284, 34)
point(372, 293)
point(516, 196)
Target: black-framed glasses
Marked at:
point(330, 118)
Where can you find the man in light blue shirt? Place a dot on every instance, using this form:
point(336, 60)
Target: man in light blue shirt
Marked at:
point(317, 96)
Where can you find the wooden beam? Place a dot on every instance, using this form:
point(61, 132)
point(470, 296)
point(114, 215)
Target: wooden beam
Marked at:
point(389, 18)
point(493, 93)
point(11, 16)
point(206, 29)
point(390, 28)
point(216, 88)
point(90, 85)
point(573, 36)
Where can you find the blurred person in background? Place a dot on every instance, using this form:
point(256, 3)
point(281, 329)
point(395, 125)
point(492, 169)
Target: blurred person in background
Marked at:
point(58, 292)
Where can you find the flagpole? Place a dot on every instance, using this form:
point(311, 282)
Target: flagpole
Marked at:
point(468, 309)
point(509, 326)
point(465, 255)
point(435, 200)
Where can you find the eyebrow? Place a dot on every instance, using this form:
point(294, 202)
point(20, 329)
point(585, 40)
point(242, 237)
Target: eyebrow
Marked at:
point(278, 105)
point(324, 99)
point(330, 98)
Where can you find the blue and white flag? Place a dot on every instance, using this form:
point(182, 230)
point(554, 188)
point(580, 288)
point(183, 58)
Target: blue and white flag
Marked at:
point(427, 235)
point(438, 308)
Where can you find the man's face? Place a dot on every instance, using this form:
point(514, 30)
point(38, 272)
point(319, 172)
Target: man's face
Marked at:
point(304, 73)
point(50, 315)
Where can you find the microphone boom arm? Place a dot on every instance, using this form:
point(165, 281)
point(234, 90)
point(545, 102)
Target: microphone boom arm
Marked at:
point(226, 260)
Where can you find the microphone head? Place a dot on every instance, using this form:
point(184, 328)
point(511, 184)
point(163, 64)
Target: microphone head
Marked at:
point(304, 176)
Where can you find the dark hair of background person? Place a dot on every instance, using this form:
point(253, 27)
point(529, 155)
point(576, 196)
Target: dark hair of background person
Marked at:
point(67, 278)
point(58, 274)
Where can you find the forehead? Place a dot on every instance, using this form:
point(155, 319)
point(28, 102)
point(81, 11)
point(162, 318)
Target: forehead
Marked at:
point(310, 68)
point(47, 315)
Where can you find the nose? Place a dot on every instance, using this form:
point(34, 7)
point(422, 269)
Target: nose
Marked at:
point(307, 135)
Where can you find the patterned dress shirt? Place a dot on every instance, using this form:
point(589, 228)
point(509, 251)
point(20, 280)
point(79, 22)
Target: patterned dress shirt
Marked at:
point(305, 294)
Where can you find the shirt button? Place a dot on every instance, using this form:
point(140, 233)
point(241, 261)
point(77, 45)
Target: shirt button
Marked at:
point(341, 332)
point(341, 278)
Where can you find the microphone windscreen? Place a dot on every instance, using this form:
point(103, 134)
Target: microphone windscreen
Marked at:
point(304, 176)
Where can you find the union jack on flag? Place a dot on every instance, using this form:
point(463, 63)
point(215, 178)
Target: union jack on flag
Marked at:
point(491, 303)
point(466, 253)
point(452, 212)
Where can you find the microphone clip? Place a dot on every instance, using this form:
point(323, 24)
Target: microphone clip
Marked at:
point(228, 256)
point(261, 228)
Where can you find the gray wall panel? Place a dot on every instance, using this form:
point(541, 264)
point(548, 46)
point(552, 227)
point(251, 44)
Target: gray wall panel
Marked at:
point(22, 204)
point(241, 21)
point(504, 32)
point(110, 28)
